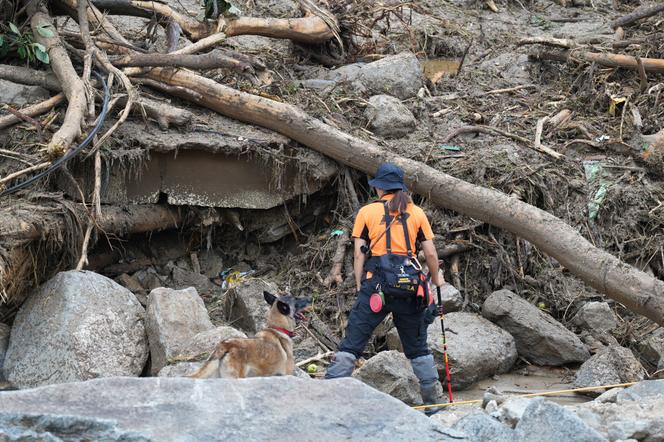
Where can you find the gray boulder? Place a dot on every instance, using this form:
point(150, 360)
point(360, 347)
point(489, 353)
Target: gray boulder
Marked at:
point(397, 75)
point(77, 326)
point(652, 348)
point(174, 317)
point(245, 306)
point(179, 370)
point(202, 344)
point(389, 117)
point(641, 391)
point(451, 297)
point(545, 421)
point(511, 410)
point(539, 338)
point(638, 419)
point(612, 365)
point(595, 317)
point(21, 94)
point(178, 409)
point(393, 341)
point(477, 348)
point(4, 342)
point(480, 427)
point(391, 373)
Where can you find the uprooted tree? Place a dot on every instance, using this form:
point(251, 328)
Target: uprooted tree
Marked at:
point(106, 50)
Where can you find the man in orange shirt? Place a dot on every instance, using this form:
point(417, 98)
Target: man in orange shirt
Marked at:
point(389, 280)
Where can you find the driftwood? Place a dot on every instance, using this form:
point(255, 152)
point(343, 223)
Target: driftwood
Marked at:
point(309, 29)
point(32, 111)
point(335, 277)
point(71, 84)
point(165, 114)
point(211, 60)
point(637, 15)
point(638, 291)
point(653, 65)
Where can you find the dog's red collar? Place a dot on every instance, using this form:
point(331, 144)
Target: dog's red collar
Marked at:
point(288, 333)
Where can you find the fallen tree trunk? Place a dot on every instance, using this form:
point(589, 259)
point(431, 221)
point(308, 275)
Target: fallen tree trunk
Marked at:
point(637, 15)
point(654, 65)
point(24, 232)
point(638, 291)
point(211, 60)
point(116, 220)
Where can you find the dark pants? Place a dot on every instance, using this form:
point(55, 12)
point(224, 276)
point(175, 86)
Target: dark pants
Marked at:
point(408, 320)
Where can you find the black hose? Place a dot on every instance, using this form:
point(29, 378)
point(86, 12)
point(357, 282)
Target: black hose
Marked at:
point(72, 152)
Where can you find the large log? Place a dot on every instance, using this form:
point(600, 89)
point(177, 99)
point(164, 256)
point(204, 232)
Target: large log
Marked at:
point(638, 291)
point(22, 230)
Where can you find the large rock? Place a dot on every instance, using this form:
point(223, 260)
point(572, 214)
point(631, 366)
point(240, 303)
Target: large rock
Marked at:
point(77, 326)
point(4, 342)
point(174, 317)
point(451, 298)
point(21, 94)
point(642, 390)
point(202, 344)
point(477, 348)
point(245, 305)
point(180, 370)
point(652, 348)
point(389, 117)
point(177, 409)
point(539, 338)
point(613, 365)
point(636, 414)
point(545, 421)
point(391, 373)
point(595, 317)
point(479, 427)
point(398, 75)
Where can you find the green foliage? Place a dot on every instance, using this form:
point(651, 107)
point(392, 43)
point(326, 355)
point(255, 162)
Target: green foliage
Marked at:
point(23, 43)
point(215, 8)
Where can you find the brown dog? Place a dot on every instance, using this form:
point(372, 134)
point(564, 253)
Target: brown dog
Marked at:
point(269, 353)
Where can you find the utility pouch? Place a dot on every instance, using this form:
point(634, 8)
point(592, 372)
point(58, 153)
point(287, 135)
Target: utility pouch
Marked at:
point(400, 277)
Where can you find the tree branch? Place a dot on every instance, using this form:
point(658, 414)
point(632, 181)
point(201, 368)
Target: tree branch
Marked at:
point(72, 85)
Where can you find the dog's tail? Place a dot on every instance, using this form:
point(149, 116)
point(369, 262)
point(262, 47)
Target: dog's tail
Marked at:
point(211, 367)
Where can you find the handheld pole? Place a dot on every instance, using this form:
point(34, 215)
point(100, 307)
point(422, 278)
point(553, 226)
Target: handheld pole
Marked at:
point(447, 364)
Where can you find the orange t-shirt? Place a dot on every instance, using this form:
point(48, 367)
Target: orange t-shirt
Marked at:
point(370, 225)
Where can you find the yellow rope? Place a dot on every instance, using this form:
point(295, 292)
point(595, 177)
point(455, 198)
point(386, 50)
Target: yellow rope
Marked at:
point(545, 393)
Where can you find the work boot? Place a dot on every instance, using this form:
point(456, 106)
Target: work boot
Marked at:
point(424, 368)
point(342, 365)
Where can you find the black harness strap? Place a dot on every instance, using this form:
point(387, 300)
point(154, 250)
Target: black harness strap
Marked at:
point(403, 217)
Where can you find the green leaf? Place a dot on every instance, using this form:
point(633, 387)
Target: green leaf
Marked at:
point(22, 52)
point(14, 29)
point(39, 47)
point(45, 31)
point(2, 40)
point(42, 55)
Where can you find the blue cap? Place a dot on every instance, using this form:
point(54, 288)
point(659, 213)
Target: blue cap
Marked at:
point(388, 177)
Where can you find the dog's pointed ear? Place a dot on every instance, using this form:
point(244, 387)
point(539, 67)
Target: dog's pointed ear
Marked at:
point(269, 297)
point(283, 308)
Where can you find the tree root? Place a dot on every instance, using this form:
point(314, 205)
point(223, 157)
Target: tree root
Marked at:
point(71, 84)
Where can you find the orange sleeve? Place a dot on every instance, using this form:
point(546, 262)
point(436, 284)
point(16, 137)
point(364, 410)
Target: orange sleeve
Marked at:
point(425, 228)
point(360, 227)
